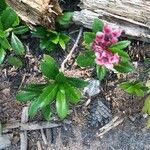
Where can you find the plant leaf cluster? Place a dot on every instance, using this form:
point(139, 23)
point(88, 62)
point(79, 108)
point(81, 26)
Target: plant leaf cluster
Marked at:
point(134, 87)
point(9, 41)
point(50, 39)
point(59, 89)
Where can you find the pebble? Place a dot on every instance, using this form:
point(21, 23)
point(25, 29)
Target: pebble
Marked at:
point(93, 88)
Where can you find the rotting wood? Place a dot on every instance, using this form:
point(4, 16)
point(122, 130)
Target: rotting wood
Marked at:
point(132, 16)
point(37, 12)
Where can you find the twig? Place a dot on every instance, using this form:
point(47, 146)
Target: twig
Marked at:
point(44, 137)
point(23, 79)
point(39, 145)
point(112, 124)
point(23, 135)
point(72, 50)
point(29, 126)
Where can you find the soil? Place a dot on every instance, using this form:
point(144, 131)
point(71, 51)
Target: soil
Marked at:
point(79, 130)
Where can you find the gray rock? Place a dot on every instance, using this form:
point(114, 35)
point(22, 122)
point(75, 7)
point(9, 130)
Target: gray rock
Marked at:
point(4, 141)
point(93, 88)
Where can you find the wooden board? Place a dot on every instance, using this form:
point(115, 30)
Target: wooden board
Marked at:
point(133, 16)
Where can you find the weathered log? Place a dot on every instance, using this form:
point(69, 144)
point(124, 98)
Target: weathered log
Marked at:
point(133, 16)
point(37, 12)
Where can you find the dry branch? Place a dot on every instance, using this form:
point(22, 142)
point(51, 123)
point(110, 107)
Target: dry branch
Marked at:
point(132, 16)
point(37, 12)
point(23, 135)
point(117, 120)
point(29, 126)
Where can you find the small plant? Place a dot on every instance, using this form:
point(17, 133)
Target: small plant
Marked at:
point(49, 39)
point(58, 89)
point(65, 19)
point(104, 50)
point(9, 28)
point(134, 87)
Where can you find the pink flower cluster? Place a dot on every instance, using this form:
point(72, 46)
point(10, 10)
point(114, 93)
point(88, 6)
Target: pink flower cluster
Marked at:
point(101, 46)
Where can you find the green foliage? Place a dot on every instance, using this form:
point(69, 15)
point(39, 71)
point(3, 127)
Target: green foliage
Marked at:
point(101, 72)
point(134, 87)
point(2, 55)
point(124, 67)
point(3, 6)
point(120, 45)
point(50, 39)
point(97, 25)
point(65, 19)
point(89, 37)
point(49, 67)
point(9, 26)
point(14, 61)
point(9, 18)
point(59, 89)
point(146, 107)
point(86, 59)
point(17, 45)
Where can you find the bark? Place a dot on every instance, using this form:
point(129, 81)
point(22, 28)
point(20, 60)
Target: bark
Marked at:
point(133, 16)
point(37, 12)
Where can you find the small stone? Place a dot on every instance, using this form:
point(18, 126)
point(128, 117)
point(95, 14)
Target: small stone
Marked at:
point(145, 116)
point(4, 141)
point(93, 88)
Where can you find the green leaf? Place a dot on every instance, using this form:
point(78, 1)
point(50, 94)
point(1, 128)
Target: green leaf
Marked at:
point(64, 37)
point(34, 87)
point(40, 32)
point(62, 44)
point(65, 19)
point(60, 78)
point(120, 45)
point(24, 96)
point(8, 18)
point(86, 59)
point(21, 30)
point(3, 5)
point(47, 113)
point(4, 43)
point(49, 67)
point(14, 61)
point(97, 25)
point(17, 45)
point(2, 34)
point(17, 22)
point(121, 53)
point(2, 55)
point(47, 44)
point(124, 67)
point(89, 37)
point(146, 108)
point(76, 82)
point(48, 95)
point(61, 105)
point(134, 87)
point(72, 93)
point(55, 39)
point(101, 72)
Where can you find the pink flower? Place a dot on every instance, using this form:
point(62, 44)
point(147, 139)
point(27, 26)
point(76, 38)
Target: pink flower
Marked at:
point(101, 46)
point(107, 59)
point(107, 37)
